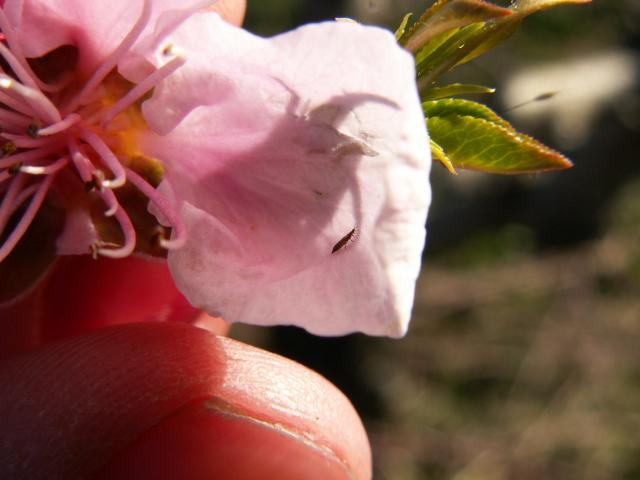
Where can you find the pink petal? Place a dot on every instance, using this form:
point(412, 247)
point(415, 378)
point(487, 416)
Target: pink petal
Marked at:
point(78, 235)
point(96, 27)
point(276, 150)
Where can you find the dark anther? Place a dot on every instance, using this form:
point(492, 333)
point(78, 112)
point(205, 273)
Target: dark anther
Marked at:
point(8, 148)
point(15, 168)
point(159, 234)
point(89, 186)
point(32, 130)
point(95, 247)
point(97, 178)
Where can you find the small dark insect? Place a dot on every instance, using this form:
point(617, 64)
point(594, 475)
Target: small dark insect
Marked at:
point(344, 241)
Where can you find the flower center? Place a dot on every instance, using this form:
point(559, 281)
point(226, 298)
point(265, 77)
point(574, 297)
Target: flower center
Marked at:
point(54, 130)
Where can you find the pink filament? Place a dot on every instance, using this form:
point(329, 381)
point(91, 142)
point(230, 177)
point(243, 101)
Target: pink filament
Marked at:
point(30, 156)
point(24, 141)
point(141, 88)
point(45, 109)
point(23, 196)
point(81, 162)
point(10, 36)
point(16, 105)
point(6, 207)
point(17, 67)
point(60, 126)
point(166, 209)
point(108, 65)
point(129, 237)
point(110, 160)
point(4, 176)
point(14, 120)
point(45, 170)
point(27, 218)
point(111, 201)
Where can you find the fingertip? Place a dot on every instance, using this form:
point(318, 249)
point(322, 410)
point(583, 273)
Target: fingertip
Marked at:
point(77, 405)
point(208, 439)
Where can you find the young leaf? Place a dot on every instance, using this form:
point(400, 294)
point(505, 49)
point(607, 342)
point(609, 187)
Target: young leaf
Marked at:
point(472, 136)
point(453, 32)
point(447, 15)
point(464, 108)
point(437, 153)
point(403, 26)
point(454, 89)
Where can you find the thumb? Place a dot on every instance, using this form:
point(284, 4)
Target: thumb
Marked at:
point(171, 401)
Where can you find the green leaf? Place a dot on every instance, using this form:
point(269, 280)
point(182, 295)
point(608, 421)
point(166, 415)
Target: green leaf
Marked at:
point(472, 136)
point(464, 108)
point(458, 45)
point(454, 89)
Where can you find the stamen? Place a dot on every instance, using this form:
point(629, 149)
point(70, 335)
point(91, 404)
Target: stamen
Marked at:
point(17, 105)
point(45, 109)
point(97, 180)
point(31, 155)
point(46, 170)
point(82, 163)
point(10, 36)
point(17, 68)
point(32, 130)
point(166, 209)
point(141, 88)
point(111, 61)
point(14, 169)
point(61, 126)
point(26, 141)
point(158, 236)
point(5, 175)
point(13, 120)
point(6, 207)
point(105, 153)
point(28, 216)
point(129, 238)
point(110, 199)
point(8, 148)
point(23, 197)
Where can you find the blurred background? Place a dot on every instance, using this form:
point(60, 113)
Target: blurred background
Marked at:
point(523, 356)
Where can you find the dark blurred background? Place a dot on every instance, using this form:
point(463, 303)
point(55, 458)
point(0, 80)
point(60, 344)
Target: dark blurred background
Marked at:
point(523, 357)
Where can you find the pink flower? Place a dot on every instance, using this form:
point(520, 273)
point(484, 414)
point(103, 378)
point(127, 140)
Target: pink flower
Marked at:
point(295, 168)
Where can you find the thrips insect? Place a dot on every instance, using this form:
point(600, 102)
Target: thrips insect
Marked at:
point(344, 241)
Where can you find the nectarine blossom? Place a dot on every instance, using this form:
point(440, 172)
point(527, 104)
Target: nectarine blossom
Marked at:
point(289, 175)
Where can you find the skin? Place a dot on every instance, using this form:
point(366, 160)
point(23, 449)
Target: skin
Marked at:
point(96, 383)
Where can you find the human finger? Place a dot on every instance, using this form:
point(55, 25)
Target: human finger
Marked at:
point(169, 400)
point(232, 11)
